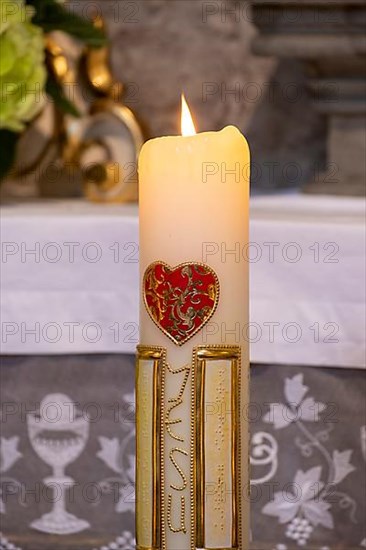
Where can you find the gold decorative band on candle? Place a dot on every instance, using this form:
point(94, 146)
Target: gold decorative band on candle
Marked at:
point(216, 457)
point(150, 368)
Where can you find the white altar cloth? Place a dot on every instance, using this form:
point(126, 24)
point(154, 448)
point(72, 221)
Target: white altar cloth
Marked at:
point(70, 279)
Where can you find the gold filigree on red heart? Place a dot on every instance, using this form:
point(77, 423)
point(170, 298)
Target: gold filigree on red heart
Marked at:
point(180, 300)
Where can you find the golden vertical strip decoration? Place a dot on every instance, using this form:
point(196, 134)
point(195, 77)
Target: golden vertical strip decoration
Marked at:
point(151, 361)
point(216, 383)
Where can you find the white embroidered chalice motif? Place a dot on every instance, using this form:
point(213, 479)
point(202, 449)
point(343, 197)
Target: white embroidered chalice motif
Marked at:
point(58, 435)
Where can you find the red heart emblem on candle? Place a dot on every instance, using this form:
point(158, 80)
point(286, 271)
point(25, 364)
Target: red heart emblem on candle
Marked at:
point(181, 299)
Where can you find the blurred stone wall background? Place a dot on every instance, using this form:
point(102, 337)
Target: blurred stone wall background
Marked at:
point(161, 47)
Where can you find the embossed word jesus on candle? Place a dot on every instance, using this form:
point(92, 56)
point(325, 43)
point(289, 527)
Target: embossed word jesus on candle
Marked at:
point(192, 373)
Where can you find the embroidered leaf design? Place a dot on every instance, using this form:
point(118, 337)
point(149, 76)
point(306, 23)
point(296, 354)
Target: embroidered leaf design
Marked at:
point(308, 483)
point(279, 415)
point(307, 501)
point(279, 507)
point(295, 389)
point(299, 408)
point(309, 410)
point(109, 453)
point(316, 511)
point(9, 453)
point(342, 466)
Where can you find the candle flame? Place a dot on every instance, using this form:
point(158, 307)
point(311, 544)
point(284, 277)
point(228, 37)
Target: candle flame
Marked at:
point(188, 128)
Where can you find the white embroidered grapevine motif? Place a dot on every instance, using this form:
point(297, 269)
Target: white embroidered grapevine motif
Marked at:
point(308, 502)
point(119, 455)
point(264, 452)
point(9, 454)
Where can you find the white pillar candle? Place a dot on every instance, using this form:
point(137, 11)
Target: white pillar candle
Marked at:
point(194, 197)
